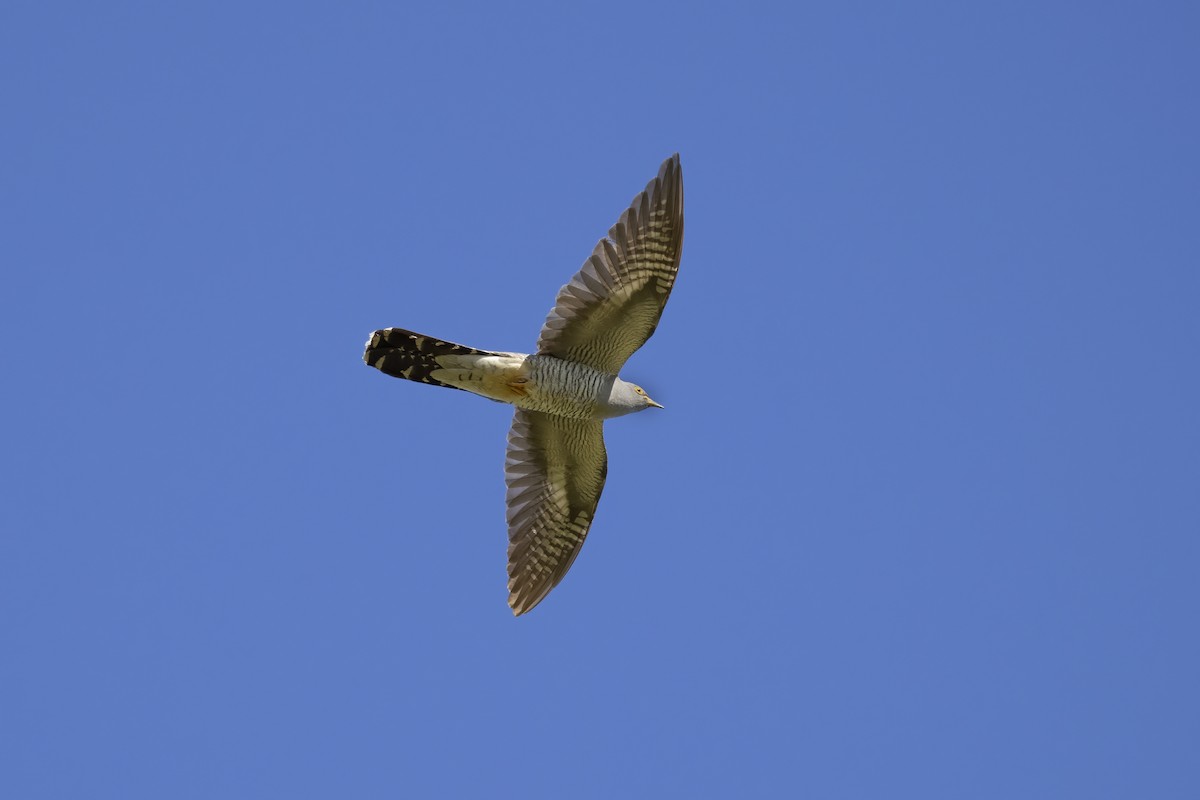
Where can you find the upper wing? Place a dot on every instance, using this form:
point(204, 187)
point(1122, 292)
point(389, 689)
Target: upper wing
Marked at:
point(612, 305)
point(555, 471)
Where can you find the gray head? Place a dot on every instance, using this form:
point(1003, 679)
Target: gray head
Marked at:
point(625, 398)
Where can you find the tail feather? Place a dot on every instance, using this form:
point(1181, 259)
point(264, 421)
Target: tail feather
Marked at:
point(412, 356)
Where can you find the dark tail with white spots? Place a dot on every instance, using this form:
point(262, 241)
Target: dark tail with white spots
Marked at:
point(412, 356)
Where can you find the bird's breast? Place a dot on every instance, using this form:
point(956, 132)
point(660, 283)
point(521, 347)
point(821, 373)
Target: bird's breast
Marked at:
point(565, 388)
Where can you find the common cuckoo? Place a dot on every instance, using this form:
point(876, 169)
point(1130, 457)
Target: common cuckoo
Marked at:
point(556, 461)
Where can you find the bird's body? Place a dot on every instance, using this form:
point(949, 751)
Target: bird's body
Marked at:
point(556, 462)
point(541, 383)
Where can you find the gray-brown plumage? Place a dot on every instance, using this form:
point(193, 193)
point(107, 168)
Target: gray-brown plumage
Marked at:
point(555, 472)
point(556, 463)
point(613, 304)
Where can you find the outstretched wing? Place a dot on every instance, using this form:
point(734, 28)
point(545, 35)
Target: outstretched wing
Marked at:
point(612, 305)
point(555, 471)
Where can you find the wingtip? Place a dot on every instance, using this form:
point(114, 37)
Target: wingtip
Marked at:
point(517, 607)
point(670, 173)
point(521, 600)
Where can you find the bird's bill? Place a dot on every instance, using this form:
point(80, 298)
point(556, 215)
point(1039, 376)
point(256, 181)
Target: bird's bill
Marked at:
point(651, 402)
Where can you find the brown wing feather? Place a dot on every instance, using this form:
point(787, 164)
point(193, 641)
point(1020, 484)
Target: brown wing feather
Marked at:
point(555, 473)
point(612, 305)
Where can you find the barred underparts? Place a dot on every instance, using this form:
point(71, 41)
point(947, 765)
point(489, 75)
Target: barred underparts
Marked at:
point(556, 463)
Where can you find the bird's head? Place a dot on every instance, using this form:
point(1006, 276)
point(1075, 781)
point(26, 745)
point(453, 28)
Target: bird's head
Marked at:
point(625, 398)
point(646, 402)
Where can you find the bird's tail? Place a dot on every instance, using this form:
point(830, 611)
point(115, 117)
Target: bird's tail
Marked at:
point(412, 356)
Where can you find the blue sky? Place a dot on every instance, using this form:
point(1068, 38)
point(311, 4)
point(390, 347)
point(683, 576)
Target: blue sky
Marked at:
point(920, 520)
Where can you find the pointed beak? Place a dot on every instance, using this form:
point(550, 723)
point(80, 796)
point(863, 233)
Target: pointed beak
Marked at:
point(651, 402)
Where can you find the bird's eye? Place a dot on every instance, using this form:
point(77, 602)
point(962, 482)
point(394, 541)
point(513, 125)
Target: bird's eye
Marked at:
point(639, 391)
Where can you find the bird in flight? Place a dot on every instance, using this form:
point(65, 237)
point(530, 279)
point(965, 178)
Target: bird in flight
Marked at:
point(556, 462)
